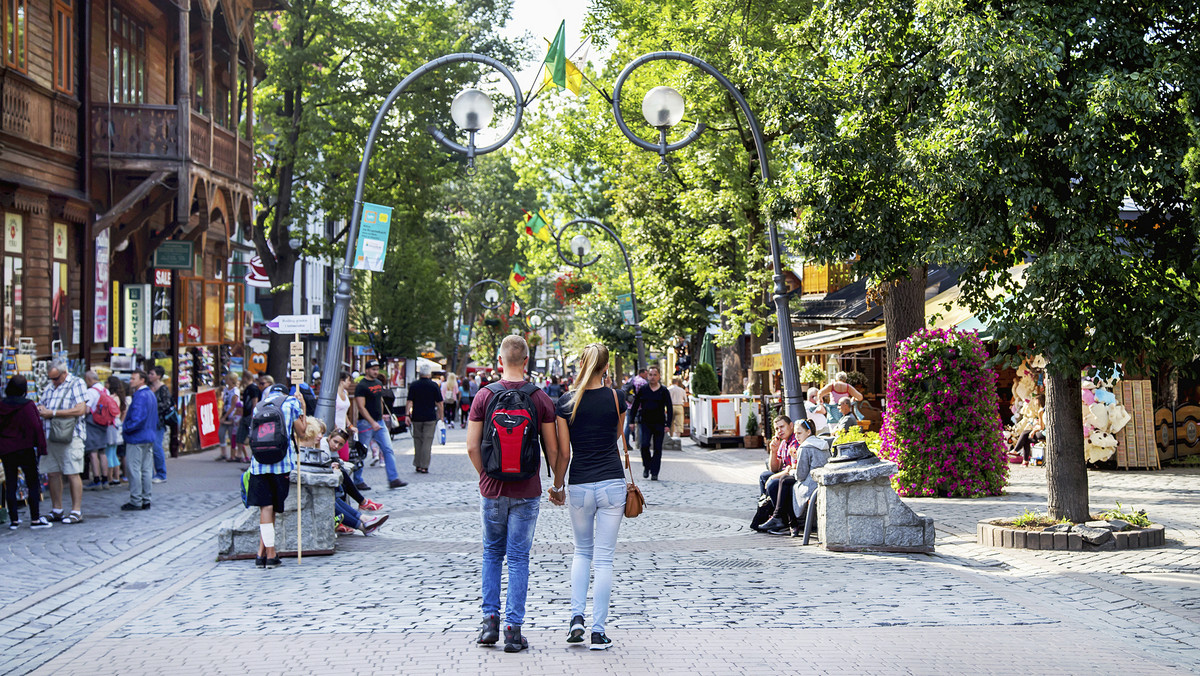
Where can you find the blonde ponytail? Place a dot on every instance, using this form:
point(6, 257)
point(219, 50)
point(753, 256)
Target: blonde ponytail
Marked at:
point(592, 361)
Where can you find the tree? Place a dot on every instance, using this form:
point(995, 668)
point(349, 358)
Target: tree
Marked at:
point(1055, 115)
point(328, 66)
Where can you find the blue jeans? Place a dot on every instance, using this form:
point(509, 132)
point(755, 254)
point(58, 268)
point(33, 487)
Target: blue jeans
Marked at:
point(382, 437)
point(350, 516)
point(508, 525)
point(160, 456)
point(596, 512)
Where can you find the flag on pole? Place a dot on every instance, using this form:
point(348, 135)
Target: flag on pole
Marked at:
point(538, 225)
point(517, 277)
point(556, 58)
point(515, 309)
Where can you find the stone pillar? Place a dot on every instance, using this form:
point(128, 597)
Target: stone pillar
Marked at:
point(238, 537)
point(858, 511)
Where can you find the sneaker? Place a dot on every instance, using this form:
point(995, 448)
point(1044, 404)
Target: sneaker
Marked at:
point(40, 523)
point(56, 515)
point(114, 483)
point(370, 523)
point(130, 507)
point(363, 486)
point(146, 505)
point(157, 480)
point(645, 474)
point(600, 641)
point(14, 525)
point(397, 483)
point(575, 635)
point(343, 529)
point(371, 506)
point(374, 461)
point(774, 523)
point(260, 562)
point(513, 641)
point(489, 630)
point(273, 562)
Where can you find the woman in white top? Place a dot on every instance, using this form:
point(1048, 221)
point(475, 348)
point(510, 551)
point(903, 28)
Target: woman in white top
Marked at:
point(341, 407)
point(450, 397)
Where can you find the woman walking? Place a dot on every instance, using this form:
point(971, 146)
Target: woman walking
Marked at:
point(22, 440)
point(590, 419)
point(450, 399)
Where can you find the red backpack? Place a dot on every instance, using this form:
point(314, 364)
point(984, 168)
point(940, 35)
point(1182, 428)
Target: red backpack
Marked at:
point(107, 411)
point(511, 444)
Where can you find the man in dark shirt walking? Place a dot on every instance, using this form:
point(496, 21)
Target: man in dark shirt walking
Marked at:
point(653, 402)
point(368, 399)
point(425, 408)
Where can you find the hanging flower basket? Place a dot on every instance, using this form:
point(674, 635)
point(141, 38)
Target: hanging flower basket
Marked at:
point(569, 289)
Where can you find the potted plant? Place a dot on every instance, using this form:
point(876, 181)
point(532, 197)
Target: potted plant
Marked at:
point(752, 439)
point(812, 374)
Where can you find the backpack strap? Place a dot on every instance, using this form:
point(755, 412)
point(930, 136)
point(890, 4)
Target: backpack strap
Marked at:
point(529, 389)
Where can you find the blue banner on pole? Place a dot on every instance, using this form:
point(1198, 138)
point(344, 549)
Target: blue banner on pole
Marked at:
point(625, 300)
point(373, 229)
point(464, 334)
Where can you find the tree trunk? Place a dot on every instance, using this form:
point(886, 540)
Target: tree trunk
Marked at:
point(904, 310)
point(731, 369)
point(1066, 473)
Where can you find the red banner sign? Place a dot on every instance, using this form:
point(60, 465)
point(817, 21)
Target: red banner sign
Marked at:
point(206, 418)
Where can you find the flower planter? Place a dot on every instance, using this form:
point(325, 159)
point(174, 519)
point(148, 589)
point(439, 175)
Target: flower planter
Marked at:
point(754, 441)
point(992, 534)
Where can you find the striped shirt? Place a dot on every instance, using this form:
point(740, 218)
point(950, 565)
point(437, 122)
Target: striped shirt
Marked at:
point(68, 395)
point(291, 412)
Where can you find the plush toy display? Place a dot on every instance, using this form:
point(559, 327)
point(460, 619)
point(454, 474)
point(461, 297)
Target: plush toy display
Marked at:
point(1102, 418)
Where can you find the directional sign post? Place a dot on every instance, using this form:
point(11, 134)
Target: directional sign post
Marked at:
point(295, 324)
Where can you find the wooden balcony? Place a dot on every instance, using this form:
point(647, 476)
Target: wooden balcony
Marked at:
point(138, 133)
point(32, 114)
point(822, 279)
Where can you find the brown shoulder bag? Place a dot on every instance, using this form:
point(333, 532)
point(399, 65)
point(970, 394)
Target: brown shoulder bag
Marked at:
point(635, 504)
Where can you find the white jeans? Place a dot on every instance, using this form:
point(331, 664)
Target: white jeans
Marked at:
point(596, 512)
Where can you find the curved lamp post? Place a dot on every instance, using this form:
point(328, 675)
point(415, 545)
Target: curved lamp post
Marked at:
point(472, 111)
point(663, 108)
point(491, 301)
point(581, 246)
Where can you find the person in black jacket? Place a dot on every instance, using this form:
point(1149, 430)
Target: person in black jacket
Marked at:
point(653, 403)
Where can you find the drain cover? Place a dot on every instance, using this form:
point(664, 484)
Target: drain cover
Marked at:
point(730, 563)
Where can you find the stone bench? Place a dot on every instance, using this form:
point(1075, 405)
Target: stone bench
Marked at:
point(858, 511)
point(238, 537)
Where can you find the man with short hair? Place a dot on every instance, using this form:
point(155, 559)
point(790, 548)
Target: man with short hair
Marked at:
point(653, 403)
point(509, 508)
point(368, 401)
point(848, 419)
point(140, 429)
point(269, 484)
point(426, 406)
point(64, 399)
point(162, 395)
point(678, 401)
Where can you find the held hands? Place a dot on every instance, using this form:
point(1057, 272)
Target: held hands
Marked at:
point(558, 498)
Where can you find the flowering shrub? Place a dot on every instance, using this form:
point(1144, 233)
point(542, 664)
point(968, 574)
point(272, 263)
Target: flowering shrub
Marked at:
point(813, 372)
point(856, 433)
point(942, 425)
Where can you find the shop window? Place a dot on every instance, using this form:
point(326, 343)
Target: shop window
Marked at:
point(128, 66)
point(64, 46)
point(13, 283)
point(210, 312)
point(16, 34)
point(213, 313)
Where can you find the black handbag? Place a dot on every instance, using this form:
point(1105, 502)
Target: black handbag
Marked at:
point(765, 509)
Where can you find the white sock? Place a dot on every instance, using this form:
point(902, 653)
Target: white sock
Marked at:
point(268, 534)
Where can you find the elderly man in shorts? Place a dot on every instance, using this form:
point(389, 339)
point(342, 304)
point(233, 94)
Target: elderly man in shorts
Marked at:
point(64, 399)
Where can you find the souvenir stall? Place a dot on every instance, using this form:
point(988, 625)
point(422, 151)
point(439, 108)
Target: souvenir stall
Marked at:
point(210, 345)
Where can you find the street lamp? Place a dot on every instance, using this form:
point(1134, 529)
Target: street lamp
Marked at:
point(471, 110)
point(491, 301)
point(663, 109)
point(581, 246)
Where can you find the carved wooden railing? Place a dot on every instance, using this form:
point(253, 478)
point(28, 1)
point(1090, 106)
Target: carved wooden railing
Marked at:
point(33, 113)
point(64, 134)
point(224, 151)
point(245, 171)
point(144, 131)
point(201, 139)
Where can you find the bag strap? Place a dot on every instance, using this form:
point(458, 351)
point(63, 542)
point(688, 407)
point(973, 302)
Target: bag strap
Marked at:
point(623, 440)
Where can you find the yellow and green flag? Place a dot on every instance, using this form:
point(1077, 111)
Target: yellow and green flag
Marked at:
point(538, 225)
point(559, 69)
point(517, 277)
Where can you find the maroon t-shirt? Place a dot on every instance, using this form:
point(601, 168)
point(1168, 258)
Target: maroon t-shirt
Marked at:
point(531, 487)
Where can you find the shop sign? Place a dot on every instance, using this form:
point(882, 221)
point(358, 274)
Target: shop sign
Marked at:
point(206, 418)
point(136, 322)
point(173, 254)
point(161, 321)
point(61, 233)
point(162, 278)
point(373, 230)
point(100, 332)
point(14, 233)
point(768, 362)
point(193, 333)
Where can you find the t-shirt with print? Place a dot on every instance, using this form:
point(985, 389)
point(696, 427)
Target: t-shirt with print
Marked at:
point(531, 487)
point(372, 392)
point(594, 434)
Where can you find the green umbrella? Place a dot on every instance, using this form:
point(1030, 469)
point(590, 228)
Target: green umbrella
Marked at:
point(708, 354)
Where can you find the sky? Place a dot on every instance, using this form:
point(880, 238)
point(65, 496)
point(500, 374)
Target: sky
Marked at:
point(541, 18)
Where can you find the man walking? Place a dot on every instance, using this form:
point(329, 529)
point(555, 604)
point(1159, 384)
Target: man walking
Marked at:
point(139, 430)
point(509, 508)
point(368, 400)
point(425, 407)
point(162, 395)
point(678, 401)
point(62, 409)
point(95, 439)
point(281, 423)
point(653, 402)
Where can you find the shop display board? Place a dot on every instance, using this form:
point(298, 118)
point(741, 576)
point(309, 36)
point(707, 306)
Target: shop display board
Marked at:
point(206, 418)
point(1136, 446)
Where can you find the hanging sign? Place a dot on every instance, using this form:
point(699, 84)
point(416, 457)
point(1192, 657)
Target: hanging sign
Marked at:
point(100, 330)
point(206, 418)
point(625, 300)
point(61, 233)
point(14, 229)
point(137, 318)
point(373, 229)
point(464, 334)
point(174, 254)
point(295, 324)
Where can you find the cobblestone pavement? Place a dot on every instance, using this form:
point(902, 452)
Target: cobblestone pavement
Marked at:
point(696, 591)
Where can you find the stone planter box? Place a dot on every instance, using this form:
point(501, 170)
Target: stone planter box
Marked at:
point(991, 534)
